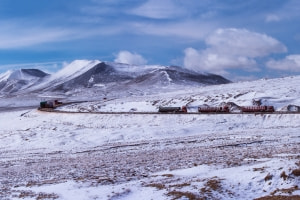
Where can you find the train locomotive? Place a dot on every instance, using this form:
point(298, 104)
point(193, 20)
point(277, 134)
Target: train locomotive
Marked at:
point(50, 104)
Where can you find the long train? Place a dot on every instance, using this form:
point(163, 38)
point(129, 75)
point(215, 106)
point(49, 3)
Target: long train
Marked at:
point(51, 105)
point(220, 109)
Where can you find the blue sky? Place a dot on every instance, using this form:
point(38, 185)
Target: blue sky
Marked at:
point(238, 39)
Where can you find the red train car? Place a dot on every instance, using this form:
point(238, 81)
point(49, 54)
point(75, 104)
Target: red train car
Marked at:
point(257, 109)
point(207, 109)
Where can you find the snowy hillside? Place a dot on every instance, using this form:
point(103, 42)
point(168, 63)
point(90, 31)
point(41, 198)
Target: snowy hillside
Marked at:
point(69, 72)
point(22, 74)
point(282, 93)
point(16, 80)
point(87, 156)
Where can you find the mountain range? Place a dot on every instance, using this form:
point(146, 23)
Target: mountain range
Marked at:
point(84, 75)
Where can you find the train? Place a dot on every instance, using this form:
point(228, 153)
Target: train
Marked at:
point(50, 104)
point(225, 108)
point(220, 109)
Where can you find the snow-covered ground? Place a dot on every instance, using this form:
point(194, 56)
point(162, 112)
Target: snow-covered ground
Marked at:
point(280, 93)
point(138, 156)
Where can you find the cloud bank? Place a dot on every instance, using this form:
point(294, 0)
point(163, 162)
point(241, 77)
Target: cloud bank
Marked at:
point(289, 63)
point(30, 35)
point(130, 58)
point(231, 49)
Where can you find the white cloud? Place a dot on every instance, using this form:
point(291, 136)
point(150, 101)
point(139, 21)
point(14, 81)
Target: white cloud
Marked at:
point(244, 43)
point(18, 34)
point(231, 49)
point(289, 10)
point(210, 61)
point(158, 9)
point(130, 58)
point(289, 63)
point(272, 18)
point(15, 39)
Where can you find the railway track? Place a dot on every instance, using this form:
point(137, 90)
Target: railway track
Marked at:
point(53, 110)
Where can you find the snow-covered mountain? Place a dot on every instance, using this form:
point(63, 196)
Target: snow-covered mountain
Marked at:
point(125, 156)
point(16, 80)
point(68, 73)
point(177, 75)
point(82, 74)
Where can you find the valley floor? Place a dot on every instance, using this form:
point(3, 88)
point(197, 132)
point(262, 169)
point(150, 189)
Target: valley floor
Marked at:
point(84, 156)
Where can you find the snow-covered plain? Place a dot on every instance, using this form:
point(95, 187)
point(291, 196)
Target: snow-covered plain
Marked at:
point(157, 156)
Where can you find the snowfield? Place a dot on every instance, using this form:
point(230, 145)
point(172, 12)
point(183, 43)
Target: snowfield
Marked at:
point(156, 156)
point(280, 93)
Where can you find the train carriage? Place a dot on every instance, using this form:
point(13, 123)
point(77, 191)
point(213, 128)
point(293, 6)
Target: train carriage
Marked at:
point(257, 109)
point(207, 109)
point(182, 109)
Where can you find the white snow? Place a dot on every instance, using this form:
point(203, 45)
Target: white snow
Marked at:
point(245, 182)
point(241, 156)
point(4, 76)
point(134, 68)
point(78, 191)
point(279, 93)
point(75, 68)
point(16, 75)
point(69, 72)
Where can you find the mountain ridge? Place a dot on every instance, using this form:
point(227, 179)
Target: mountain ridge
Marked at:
point(83, 74)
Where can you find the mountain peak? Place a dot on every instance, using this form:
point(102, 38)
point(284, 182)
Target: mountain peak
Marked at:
point(76, 67)
point(16, 80)
point(22, 74)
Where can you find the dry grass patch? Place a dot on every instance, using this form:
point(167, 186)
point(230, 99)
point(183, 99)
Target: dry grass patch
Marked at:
point(213, 184)
point(179, 195)
point(119, 195)
point(268, 177)
point(37, 196)
point(45, 196)
point(296, 172)
point(159, 186)
point(294, 197)
point(181, 185)
point(283, 175)
point(43, 182)
point(26, 194)
point(287, 190)
point(261, 169)
point(168, 175)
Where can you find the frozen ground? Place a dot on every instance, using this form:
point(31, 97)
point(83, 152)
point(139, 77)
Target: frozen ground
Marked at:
point(137, 156)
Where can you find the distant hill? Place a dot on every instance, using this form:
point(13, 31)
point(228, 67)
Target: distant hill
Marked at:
point(87, 74)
